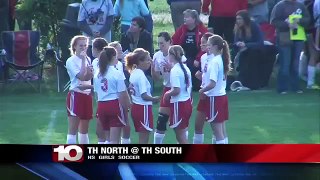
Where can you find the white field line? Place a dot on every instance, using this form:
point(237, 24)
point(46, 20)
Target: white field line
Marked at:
point(52, 123)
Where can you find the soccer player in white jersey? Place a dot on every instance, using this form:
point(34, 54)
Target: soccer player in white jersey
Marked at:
point(179, 94)
point(205, 60)
point(161, 70)
point(125, 139)
point(213, 99)
point(140, 89)
point(97, 47)
point(113, 101)
point(79, 99)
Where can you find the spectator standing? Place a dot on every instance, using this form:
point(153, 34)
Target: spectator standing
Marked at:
point(223, 15)
point(289, 50)
point(188, 36)
point(177, 7)
point(258, 10)
point(128, 9)
point(95, 20)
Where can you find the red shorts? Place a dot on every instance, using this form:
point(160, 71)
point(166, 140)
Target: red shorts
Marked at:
point(163, 102)
point(110, 114)
point(180, 113)
point(79, 105)
point(142, 117)
point(215, 108)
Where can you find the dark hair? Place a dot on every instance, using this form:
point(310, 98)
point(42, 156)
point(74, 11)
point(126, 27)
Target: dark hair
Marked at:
point(140, 21)
point(244, 31)
point(222, 45)
point(177, 52)
point(74, 42)
point(135, 57)
point(99, 43)
point(207, 35)
point(105, 58)
point(166, 36)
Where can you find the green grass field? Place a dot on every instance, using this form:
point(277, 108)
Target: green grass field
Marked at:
point(255, 117)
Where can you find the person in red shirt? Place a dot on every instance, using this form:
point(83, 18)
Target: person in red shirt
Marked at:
point(223, 15)
point(188, 36)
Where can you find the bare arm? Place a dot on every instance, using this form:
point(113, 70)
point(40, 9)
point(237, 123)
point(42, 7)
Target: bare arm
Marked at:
point(173, 92)
point(124, 100)
point(83, 70)
point(210, 86)
point(146, 97)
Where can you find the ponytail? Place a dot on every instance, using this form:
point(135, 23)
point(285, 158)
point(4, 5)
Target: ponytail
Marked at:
point(226, 57)
point(186, 78)
point(106, 56)
point(178, 53)
point(224, 47)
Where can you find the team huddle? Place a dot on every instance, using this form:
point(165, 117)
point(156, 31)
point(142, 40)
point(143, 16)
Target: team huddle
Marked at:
point(122, 89)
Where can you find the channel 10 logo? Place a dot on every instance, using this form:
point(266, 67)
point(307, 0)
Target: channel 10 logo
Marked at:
point(67, 153)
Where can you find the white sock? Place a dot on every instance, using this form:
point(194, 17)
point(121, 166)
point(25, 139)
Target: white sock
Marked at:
point(106, 142)
point(303, 63)
point(125, 141)
point(311, 75)
point(226, 140)
point(187, 134)
point(71, 139)
point(100, 142)
point(198, 138)
point(158, 138)
point(83, 138)
point(219, 142)
point(213, 140)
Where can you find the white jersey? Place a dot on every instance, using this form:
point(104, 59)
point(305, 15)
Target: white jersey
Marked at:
point(139, 84)
point(109, 85)
point(177, 80)
point(205, 62)
point(159, 59)
point(95, 65)
point(216, 73)
point(73, 66)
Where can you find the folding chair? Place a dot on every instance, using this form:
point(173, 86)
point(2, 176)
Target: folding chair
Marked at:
point(22, 57)
point(60, 67)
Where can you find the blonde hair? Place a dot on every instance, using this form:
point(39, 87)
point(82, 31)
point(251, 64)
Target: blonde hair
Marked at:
point(224, 47)
point(134, 58)
point(74, 42)
point(177, 52)
point(114, 44)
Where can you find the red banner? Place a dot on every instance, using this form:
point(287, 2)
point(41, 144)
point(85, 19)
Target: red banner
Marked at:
point(255, 153)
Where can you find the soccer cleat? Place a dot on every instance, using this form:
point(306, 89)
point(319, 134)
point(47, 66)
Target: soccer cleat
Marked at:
point(315, 87)
point(284, 92)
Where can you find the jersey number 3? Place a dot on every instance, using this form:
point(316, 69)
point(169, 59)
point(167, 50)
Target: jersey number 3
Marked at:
point(104, 86)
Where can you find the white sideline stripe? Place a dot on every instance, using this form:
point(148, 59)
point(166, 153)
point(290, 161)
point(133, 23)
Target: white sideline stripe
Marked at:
point(32, 171)
point(52, 123)
point(125, 171)
point(194, 107)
